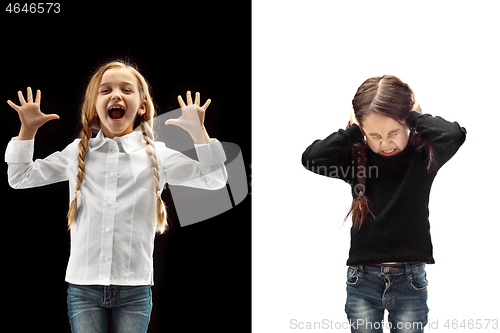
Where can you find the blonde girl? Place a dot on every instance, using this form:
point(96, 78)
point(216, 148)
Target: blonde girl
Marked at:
point(115, 181)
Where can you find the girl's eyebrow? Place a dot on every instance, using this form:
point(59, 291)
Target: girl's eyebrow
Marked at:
point(391, 132)
point(121, 83)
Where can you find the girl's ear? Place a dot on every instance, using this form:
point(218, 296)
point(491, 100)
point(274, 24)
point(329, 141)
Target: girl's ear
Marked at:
point(142, 108)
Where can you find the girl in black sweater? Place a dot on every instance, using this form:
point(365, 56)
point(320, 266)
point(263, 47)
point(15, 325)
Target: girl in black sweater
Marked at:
point(389, 154)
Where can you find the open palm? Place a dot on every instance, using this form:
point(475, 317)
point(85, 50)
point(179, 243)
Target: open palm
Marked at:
point(29, 112)
point(192, 117)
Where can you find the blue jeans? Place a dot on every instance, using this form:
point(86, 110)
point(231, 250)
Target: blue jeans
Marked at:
point(126, 309)
point(401, 289)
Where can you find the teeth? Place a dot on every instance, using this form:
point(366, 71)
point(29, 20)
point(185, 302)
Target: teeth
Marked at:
point(116, 112)
point(389, 151)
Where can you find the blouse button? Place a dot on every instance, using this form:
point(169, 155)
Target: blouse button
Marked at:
point(107, 229)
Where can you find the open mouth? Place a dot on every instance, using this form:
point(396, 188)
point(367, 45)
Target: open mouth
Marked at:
point(389, 152)
point(116, 112)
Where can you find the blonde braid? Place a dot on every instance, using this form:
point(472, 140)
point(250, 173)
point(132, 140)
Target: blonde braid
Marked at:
point(85, 135)
point(161, 213)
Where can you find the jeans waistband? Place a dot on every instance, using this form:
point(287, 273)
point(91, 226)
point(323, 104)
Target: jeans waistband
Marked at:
point(392, 269)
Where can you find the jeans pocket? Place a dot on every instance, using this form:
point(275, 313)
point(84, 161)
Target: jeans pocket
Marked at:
point(353, 276)
point(418, 280)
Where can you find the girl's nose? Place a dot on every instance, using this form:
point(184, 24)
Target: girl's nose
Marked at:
point(116, 96)
point(386, 142)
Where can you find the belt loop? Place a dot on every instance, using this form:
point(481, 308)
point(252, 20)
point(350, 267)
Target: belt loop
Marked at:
point(361, 270)
point(407, 270)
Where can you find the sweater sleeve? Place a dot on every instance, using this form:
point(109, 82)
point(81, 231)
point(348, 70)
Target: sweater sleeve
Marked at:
point(447, 136)
point(332, 156)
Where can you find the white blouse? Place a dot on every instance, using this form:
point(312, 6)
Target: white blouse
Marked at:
point(112, 238)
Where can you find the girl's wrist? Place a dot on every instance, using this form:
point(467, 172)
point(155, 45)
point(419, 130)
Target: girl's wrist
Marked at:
point(198, 137)
point(412, 118)
point(27, 133)
point(205, 133)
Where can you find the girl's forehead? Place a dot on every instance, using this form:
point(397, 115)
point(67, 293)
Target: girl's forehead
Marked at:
point(377, 123)
point(118, 75)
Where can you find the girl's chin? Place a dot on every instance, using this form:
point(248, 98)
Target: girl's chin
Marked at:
point(116, 128)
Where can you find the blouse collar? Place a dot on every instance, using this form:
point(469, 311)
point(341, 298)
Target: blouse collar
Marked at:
point(130, 142)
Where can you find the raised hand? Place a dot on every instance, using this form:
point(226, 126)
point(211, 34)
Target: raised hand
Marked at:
point(192, 118)
point(416, 107)
point(32, 118)
point(353, 119)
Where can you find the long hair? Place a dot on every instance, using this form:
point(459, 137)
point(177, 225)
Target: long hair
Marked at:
point(90, 120)
point(389, 96)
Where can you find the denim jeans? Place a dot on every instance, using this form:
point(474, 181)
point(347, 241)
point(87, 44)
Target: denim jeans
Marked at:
point(401, 289)
point(91, 309)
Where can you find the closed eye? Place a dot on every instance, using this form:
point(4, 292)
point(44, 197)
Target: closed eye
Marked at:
point(395, 132)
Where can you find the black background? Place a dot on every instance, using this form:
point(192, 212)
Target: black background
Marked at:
point(202, 271)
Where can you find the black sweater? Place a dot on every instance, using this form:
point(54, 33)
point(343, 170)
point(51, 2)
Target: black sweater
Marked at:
point(398, 188)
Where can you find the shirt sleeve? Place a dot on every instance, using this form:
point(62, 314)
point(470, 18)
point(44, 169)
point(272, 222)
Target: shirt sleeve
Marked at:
point(209, 172)
point(23, 172)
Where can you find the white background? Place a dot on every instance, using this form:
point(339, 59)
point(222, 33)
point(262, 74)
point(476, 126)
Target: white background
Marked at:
point(309, 58)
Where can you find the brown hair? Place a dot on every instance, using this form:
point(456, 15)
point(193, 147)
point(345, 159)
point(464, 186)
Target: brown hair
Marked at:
point(389, 96)
point(90, 120)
